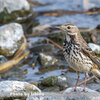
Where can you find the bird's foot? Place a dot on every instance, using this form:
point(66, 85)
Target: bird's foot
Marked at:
point(84, 90)
point(75, 90)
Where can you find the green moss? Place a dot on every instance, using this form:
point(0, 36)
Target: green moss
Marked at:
point(6, 17)
point(50, 81)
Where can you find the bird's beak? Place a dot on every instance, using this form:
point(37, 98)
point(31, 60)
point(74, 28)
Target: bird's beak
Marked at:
point(59, 27)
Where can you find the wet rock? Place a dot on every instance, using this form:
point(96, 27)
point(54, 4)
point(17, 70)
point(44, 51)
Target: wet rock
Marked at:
point(49, 81)
point(91, 95)
point(10, 10)
point(54, 67)
point(44, 48)
point(79, 95)
point(51, 89)
point(11, 38)
point(60, 81)
point(94, 47)
point(46, 60)
point(2, 59)
point(16, 89)
point(47, 96)
point(94, 86)
point(35, 40)
point(64, 82)
point(79, 89)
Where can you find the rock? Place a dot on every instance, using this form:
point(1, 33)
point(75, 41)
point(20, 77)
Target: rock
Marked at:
point(16, 5)
point(47, 96)
point(67, 81)
point(10, 10)
point(42, 48)
point(94, 86)
point(49, 81)
point(35, 40)
point(51, 89)
point(11, 38)
point(94, 47)
point(91, 95)
point(46, 60)
point(2, 59)
point(16, 89)
point(60, 81)
point(79, 95)
point(79, 89)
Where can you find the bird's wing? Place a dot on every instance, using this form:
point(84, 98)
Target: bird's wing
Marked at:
point(87, 51)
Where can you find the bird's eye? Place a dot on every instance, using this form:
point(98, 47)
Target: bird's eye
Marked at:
point(69, 27)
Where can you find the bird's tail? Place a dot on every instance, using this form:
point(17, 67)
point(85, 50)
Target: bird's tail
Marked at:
point(96, 71)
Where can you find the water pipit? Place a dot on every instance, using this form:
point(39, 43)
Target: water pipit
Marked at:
point(78, 54)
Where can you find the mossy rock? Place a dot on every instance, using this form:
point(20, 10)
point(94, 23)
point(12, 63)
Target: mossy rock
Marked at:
point(49, 81)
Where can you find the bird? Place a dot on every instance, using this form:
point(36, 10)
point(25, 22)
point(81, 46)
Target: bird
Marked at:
point(78, 54)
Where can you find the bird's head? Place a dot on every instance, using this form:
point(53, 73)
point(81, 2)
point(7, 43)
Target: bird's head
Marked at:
point(69, 29)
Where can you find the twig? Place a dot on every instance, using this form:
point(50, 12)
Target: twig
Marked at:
point(79, 83)
point(54, 43)
point(7, 65)
point(21, 49)
point(19, 55)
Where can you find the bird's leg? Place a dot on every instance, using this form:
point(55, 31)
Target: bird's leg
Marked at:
point(78, 73)
point(85, 82)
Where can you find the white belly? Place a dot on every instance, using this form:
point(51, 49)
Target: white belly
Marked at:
point(83, 64)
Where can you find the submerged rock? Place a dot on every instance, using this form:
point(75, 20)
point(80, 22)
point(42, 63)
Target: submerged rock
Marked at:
point(46, 60)
point(12, 9)
point(11, 38)
point(16, 89)
point(44, 48)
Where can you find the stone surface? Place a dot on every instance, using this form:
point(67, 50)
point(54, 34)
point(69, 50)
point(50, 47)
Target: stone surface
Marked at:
point(94, 47)
point(11, 10)
point(49, 81)
point(42, 48)
point(13, 5)
point(90, 95)
point(46, 60)
point(11, 38)
point(16, 89)
point(65, 81)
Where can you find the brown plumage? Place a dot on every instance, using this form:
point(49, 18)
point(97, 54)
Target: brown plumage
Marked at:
point(78, 54)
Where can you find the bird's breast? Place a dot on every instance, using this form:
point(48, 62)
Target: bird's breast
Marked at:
point(76, 59)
